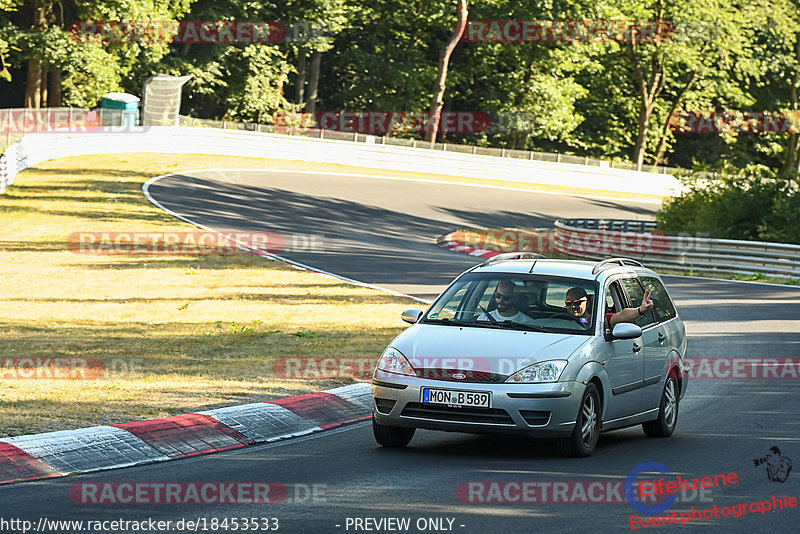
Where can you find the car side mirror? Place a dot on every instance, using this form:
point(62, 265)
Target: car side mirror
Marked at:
point(411, 316)
point(626, 331)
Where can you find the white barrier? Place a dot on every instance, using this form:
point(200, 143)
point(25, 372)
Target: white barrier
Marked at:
point(35, 148)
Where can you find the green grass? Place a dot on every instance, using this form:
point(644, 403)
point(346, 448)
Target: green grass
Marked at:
point(174, 334)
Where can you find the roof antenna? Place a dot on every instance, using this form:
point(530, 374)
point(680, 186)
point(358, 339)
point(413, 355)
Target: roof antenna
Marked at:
point(539, 254)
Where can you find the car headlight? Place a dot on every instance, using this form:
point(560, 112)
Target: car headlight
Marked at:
point(393, 361)
point(539, 372)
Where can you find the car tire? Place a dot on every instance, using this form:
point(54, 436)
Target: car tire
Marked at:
point(582, 441)
point(392, 436)
point(667, 420)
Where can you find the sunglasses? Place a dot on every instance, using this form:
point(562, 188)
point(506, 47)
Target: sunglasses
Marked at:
point(499, 296)
point(577, 302)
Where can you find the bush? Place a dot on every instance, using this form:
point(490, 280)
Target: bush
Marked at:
point(752, 204)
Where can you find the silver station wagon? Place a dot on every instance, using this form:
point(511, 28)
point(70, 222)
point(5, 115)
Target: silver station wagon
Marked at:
point(545, 348)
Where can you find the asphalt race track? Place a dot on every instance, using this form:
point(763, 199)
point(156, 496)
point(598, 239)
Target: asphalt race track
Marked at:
point(381, 232)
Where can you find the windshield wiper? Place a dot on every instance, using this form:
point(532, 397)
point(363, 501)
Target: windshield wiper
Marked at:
point(509, 322)
point(448, 321)
point(533, 327)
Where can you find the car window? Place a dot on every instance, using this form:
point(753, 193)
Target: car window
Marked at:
point(453, 304)
point(635, 295)
point(523, 302)
point(664, 309)
point(614, 300)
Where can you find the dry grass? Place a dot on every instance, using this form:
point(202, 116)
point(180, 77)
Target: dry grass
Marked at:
point(174, 333)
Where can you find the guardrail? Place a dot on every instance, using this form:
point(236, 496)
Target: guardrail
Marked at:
point(16, 123)
point(35, 148)
point(683, 253)
point(319, 133)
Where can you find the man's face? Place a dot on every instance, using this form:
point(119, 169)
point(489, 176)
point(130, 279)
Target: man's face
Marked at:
point(506, 300)
point(576, 303)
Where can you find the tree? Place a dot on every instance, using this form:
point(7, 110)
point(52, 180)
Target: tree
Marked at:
point(6, 7)
point(39, 35)
point(714, 56)
point(444, 59)
point(321, 21)
point(778, 51)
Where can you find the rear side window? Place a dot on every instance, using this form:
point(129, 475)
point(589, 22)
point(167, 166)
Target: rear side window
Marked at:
point(662, 304)
point(636, 295)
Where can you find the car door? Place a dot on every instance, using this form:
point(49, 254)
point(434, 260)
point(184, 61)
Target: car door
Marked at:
point(624, 363)
point(655, 348)
point(670, 334)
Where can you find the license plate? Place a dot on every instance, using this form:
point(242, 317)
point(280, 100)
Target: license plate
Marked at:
point(452, 397)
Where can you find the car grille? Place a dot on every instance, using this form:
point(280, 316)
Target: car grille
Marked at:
point(384, 405)
point(462, 415)
point(433, 373)
point(535, 417)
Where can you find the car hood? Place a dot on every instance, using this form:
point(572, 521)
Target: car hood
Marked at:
point(482, 349)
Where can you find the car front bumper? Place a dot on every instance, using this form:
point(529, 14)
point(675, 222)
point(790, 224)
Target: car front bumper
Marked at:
point(538, 410)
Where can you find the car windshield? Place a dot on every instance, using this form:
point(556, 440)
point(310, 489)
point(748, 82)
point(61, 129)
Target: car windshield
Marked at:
point(518, 302)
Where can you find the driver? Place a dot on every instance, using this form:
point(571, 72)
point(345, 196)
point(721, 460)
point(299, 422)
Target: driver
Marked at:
point(577, 304)
point(507, 305)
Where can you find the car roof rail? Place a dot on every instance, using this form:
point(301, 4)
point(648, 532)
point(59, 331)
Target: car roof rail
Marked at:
point(513, 256)
point(607, 264)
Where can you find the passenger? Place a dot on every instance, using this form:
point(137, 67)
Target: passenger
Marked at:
point(577, 304)
point(507, 305)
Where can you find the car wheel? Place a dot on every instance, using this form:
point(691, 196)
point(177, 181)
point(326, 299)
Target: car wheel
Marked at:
point(392, 436)
point(664, 426)
point(584, 436)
